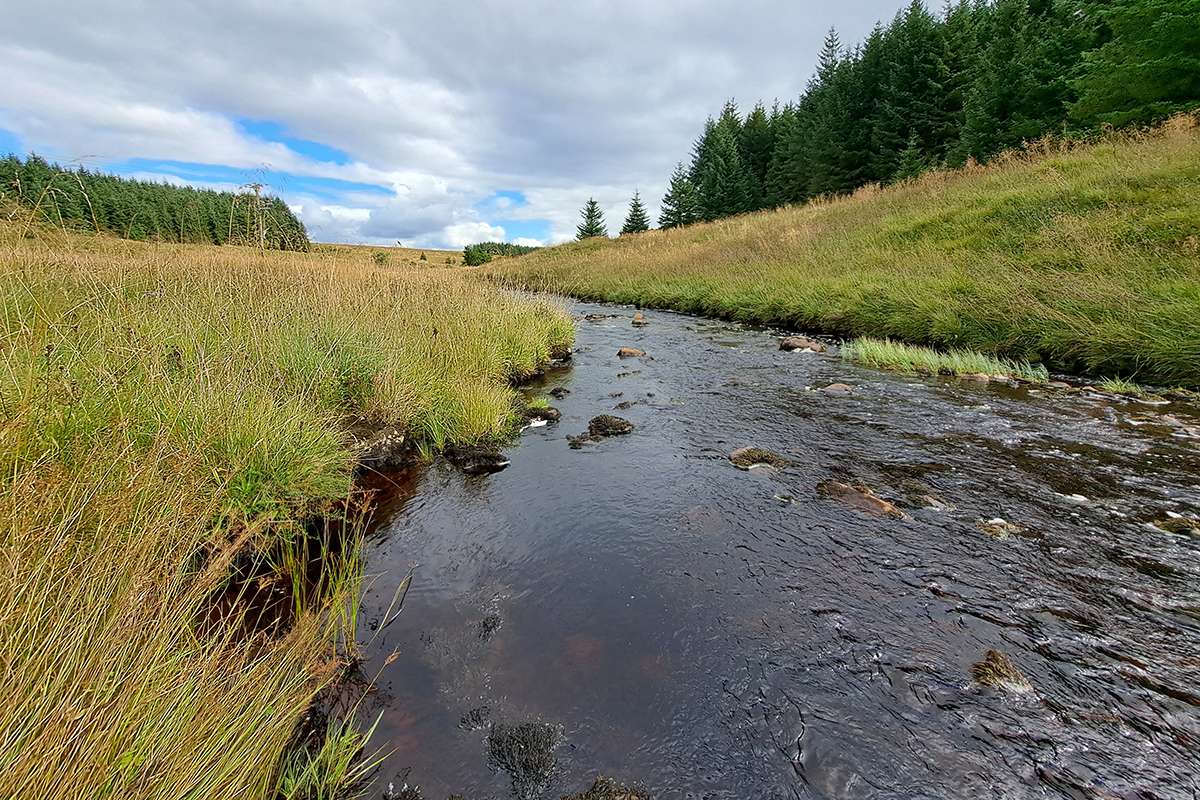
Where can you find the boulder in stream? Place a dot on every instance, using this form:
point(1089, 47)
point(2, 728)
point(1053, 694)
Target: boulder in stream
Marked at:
point(858, 499)
point(747, 457)
point(630, 352)
point(802, 344)
point(607, 425)
point(606, 789)
point(1180, 525)
point(526, 753)
point(476, 459)
point(838, 388)
point(998, 672)
point(547, 413)
point(601, 427)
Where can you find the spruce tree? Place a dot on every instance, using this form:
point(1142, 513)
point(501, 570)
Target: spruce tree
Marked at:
point(638, 220)
point(679, 204)
point(593, 221)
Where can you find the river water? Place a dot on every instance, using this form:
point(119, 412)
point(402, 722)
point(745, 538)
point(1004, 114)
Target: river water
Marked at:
point(712, 632)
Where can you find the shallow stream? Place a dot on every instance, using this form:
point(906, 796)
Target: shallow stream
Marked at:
point(712, 632)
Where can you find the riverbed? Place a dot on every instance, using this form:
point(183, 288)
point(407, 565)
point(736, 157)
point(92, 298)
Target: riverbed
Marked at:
point(671, 620)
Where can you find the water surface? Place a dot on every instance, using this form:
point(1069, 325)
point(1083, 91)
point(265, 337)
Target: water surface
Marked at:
point(718, 633)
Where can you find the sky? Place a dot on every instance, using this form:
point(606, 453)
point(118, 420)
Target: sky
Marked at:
point(427, 124)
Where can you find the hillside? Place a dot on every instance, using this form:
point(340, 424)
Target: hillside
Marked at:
point(1084, 257)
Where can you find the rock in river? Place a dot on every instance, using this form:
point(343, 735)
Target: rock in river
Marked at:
point(747, 457)
point(802, 343)
point(476, 459)
point(547, 413)
point(630, 352)
point(847, 495)
point(998, 672)
point(601, 427)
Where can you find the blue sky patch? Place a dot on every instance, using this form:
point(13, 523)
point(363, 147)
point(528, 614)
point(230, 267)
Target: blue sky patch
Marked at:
point(328, 189)
point(10, 143)
point(524, 228)
point(273, 132)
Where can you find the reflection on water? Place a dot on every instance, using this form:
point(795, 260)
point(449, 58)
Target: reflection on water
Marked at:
point(718, 633)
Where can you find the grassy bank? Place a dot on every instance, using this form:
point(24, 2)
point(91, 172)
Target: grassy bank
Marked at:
point(165, 411)
point(1083, 257)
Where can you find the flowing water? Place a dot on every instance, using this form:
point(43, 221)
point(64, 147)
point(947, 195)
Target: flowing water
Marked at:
point(713, 632)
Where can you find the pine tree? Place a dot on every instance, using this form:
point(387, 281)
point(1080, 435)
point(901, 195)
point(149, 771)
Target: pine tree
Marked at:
point(1151, 67)
point(593, 221)
point(679, 204)
point(638, 220)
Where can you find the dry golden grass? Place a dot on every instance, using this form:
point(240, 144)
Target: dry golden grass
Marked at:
point(164, 409)
point(1084, 256)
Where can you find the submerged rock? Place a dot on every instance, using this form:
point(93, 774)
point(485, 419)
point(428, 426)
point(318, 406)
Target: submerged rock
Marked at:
point(476, 459)
point(1061, 385)
point(608, 425)
point(858, 499)
point(838, 388)
point(558, 392)
point(526, 753)
point(630, 352)
point(601, 427)
point(747, 457)
point(1180, 525)
point(547, 413)
point(605, 789)
point(998, 527)
point(803, 344)
point(998, 672)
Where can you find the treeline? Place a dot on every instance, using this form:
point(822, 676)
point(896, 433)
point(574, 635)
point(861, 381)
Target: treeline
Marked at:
point(928, 91)
point(476, 254)
point(83, 200)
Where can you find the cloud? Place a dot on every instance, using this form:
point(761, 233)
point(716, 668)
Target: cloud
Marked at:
point(440, 107)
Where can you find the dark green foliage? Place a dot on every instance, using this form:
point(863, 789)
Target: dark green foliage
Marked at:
point(1149, 69)
point(679, 205)
point(929, 90)
point(638, 220)
point(593, 221)
point(89, 201)
point(476, 254)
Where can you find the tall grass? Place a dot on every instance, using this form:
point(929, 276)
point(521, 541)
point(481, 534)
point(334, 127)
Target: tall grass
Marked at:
point(1084, 256)
point(164, 411)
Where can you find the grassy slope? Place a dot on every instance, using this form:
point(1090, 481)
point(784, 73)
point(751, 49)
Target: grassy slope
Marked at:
point(1085, 257)
point(159, 402)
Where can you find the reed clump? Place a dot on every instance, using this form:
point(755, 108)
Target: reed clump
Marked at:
point(166, 410)
point(1081, 256)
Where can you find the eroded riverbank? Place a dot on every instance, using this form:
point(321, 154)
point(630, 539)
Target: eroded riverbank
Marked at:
point(721, 633)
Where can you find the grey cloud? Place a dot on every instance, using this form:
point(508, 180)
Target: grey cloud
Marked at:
point(559, 100)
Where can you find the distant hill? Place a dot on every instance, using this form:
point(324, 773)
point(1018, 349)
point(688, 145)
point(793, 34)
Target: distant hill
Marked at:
point(78, 199)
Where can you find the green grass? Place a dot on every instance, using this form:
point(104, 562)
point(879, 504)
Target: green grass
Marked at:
point(1085, 258)
point(166, 410)
point(888, 354)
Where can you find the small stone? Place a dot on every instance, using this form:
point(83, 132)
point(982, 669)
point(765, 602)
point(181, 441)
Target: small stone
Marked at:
point(638, 316)
point(1057, 385)
point(624, 404)
point(747, 457)
point(1180, 525)
point(608, 425)
point(838, 388)
point(998, 527)
point(558, 392)
point(998, 672)
point(803, 344)
point(546, 413)
point(594, 317)
point(630, 352)
point(863, 501)
point(977, 376)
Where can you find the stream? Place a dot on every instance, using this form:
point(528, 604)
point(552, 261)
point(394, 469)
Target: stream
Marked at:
point(670, 620)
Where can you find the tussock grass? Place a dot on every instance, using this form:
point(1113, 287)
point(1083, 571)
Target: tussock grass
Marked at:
point(1083, 256)
point(165, 410)
point(888, 354)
